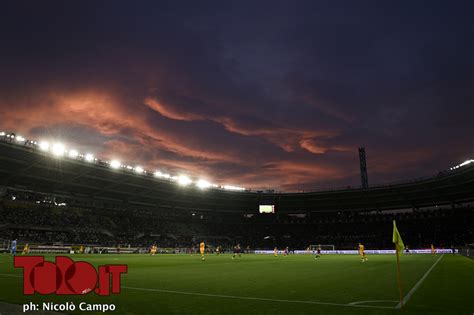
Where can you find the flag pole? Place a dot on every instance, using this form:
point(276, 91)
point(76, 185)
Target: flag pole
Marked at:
point(398, 276)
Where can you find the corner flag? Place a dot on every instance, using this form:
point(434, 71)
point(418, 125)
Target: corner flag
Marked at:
point(399, 246)
point(397, 239)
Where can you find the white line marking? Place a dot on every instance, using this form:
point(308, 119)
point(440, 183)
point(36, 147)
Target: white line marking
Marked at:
point(10, 275)
point(253, 298)
point(417, 285)
point(373, 301)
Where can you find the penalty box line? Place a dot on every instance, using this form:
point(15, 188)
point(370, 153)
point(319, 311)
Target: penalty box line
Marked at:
point(407, 297)
point(255, 298)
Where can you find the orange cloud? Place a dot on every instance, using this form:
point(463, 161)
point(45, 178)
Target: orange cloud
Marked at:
point(133, 138)
point(170, 112)
point(102, 112)
point(312, 147)
point(286, 138)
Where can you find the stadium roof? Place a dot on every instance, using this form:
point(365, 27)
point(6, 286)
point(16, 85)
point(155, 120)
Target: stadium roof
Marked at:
point(26, 167)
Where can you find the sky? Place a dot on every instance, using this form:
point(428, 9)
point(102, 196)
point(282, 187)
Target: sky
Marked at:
point(259, 94)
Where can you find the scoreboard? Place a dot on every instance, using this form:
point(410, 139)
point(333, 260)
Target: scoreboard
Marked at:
point(266, 208)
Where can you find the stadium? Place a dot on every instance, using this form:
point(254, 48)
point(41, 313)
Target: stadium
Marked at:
point(236, 157)
point(60, 202)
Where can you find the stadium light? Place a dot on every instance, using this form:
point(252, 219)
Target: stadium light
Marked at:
point(73, 154)
point(44, 146)
point(230, 187)
point(19, 139)
point(115, 164)
point(462, 164)
point(162, 175)
point(466, 162)
point(58, 149)
point(89, 157)
point(203, 184)
point(184, 180)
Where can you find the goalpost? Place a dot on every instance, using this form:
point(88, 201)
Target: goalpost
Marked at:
point(313, 248)
point(5, 246)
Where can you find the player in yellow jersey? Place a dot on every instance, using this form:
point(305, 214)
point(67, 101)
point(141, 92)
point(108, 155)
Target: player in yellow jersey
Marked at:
point(81, 249)
point(275, 252)
point(433, 250)
point(202, 248)
point(26, 249)
point(362, 252)
point(153, 250)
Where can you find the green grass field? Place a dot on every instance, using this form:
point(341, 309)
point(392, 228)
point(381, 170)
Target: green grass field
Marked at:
point(263, 284)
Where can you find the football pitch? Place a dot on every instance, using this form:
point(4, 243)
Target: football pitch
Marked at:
point(263, 284)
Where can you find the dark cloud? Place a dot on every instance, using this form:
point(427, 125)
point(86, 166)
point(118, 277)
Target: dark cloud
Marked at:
point(270, 94)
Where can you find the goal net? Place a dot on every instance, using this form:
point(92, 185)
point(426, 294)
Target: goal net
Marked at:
point(323, 247)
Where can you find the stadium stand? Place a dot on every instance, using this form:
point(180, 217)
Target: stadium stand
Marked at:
point(51, 201)
point(50, 224)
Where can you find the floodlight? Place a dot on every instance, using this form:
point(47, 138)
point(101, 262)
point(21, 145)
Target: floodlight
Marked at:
point(162, 175)
point(89, 157)
point(2, 133)
point(115, 164)
point(203, 184)
point(466, 163)
point(73, 154)
point(20, 139)
point(230, 187)
point(44, 146)
point(139, 169)
point(184, 180)
point(58, 149)
point(158, 174)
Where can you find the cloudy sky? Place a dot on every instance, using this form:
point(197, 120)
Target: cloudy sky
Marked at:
point(262, 94)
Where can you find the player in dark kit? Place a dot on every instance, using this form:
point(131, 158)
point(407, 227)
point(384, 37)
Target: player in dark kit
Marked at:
point(407, 250)
point(237, 251)
point(318, 253)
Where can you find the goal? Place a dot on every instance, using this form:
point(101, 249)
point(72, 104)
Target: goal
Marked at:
point(323, 247)
point(4, 246)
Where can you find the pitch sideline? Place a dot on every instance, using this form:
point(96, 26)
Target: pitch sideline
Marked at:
point(407, 297)
point(255, 298)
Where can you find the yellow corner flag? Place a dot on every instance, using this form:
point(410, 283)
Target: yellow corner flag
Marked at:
point(397, 239)
point(399, 246)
